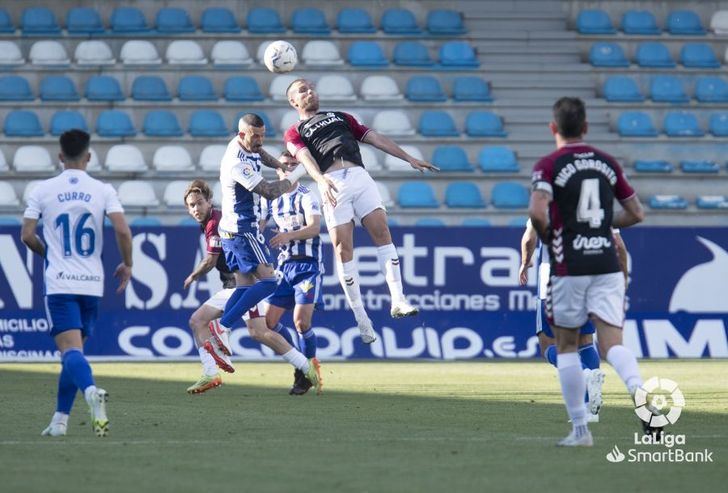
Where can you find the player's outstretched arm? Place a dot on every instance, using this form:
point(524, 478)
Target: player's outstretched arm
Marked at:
point(206, 265)
point(30, 238)
point(123, 240)
point(272, 189)
point(390, 147)
point(305, 157)
point(631, 213)
point(271, 162)
point(528, 246)
point(538, 209)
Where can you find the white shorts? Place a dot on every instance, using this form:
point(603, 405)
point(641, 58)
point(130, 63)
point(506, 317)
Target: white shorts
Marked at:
point(220, 299)
point(571, 299)
point(357, 196)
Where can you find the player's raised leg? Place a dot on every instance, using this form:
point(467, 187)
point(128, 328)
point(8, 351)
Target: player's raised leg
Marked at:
point(200, 322)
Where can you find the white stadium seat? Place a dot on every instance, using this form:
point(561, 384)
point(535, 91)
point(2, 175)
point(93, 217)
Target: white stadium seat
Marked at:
point(3, 162)
point(185, 52)
point(384, 193)
point(172, 158)
point(230, 53)
point(289, 118)
point(139, 52)
point(137, 193)
point(211, 156)
point(335, 88)
point(278, 86)
point(125, 158)
point(369, 157)
point(29, 188)
point(719, 22)
point(260, 54)
point(32, 159)
point(396, 164)
point(8, 197)
point(93, 164)
point(321, 53)
point(380, 88)
point(393, 122)
point(174, 193)
point(216, 193)
point(94, 52)
point(48, 53)
point(10, 54)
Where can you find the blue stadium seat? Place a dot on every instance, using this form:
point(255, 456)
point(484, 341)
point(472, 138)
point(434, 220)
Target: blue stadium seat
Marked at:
point(475, 222)
point(718, 124)
point(145, 221)
point(451, 158)
point(698, 55)
point(114, 123)
point(654, 55)
point(58, 88)
point(412, 54)
point(683, 22)
point(463, 194)
point(270, 130)
point(668, 202)
point(207, 123)
point(366, 54)
point(712, 202)
point(639, 22)
point(6, 23)
point(82, 20)
point(39, 21)
point(399, 21)
point(484, 124)
point(658, 166)
point(161, 123)
point(352, 20)
point(620, 88)
point(417, 194)
point(103, 88)
point(711, 90)
point(309, 21)
point(635, 124)
point(498, 159)
point(429, 222)
point(437, 123)
point(15, 88)
point(196, 88)
point(458, 54)
point(128, 20)
point(681, 124)
point(67, 120)
point(264, 20)
point(219, 20)
point(172, 20)
point(242, 88)
point(150, 88)
point(607, 55)
point(667, 89)
point(699, 167)
point(424, 88)
point(509, 195)
point(22, 123)
point(594, 21)
point(445, 22)
point(470, 88)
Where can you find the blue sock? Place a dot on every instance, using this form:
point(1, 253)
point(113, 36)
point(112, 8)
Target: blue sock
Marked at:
point(79, 371)
point(283, 331)
point(239, 291)
point(253, 294)
point(309, 343)
point(589, 356)
point(66, 392)
point(550, 354)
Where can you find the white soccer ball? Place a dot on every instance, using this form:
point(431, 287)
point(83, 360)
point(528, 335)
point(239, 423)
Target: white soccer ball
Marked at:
point(280, 56)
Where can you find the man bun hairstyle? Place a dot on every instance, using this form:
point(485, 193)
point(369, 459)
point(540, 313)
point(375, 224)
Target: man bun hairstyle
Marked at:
point(74, 143)
point(570, 117)
point(198, 186)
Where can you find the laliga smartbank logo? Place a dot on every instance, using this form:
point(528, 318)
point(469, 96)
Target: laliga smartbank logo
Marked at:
point(659, 402)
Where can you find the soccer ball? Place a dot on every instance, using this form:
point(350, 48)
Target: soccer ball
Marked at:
point(280, 56)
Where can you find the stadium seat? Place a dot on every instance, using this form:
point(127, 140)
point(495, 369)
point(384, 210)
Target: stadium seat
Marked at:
point(93, 163)
point(395, 164)
point(682, 22)
point(412, 54)
point(3, 163)
point(699, 167)
point(451, 158)
point(321, 53)
point(668, 202)
point(498, 159)
point(393, 122)
point(424, 88)
point(270, 130)
point(667, 89)
point(8, 197)
point(139, 52)
point(711, 90)
point(10, 54)
point(719, 22)
point(445, 22)
point(350, 20)
point(6, 23)
point(103, 88)
point(114, 123)
point(509, 195)
point(260, 53)
point(369, 158)
point(278, 86)
point(211, 156)
point(128, 20)
point(185, 52)
point(639, 22)
point(658, 166)
point(399, 21)
point(83, 21)
point(230, 53)
point(32, 159)
point(48, 53)
point(161, 123)
point(289, 118)
point(681, 124)
point(654, 55)
point(635, 124)
point(712, 202)
point(470, 88)
point(475, 222)
point(218, 20)
point(437, 123)
point(264, 21)
point(463, 194)
point(594, 21)
point(196, 88)
point(380, 88)
point(430, 222)
point(621, 88)
point(718, 124)
point(137, 193)
point(22, 123)
point(15, 88)
point(39, 21)
point(125, 158)
point(484, 124)
point(458, 54)
point(207, 123)
point(94, 52)
point(417, 194)
point(150, 88)
point(29, 187)
point(698, 55)
point(242, 88)
point(386, 197)
point(172, 158)
point(174, 193)
point(366, 54)
point(67, 120)
point(607, 55)
point(173, 21)
point(309, 21)
point(334, 87)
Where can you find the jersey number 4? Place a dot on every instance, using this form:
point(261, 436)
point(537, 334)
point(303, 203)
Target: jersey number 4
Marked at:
point(84, 238)
point(589, 208)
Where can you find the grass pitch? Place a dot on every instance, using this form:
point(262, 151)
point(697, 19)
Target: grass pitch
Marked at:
point(378, 427)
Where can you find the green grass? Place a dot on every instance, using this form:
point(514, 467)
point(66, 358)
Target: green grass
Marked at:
point(444, 427)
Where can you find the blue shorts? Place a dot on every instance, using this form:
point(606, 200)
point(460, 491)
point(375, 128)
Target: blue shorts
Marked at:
point(245, 252)
point(301, 284)
point(542, 324)
point(72, 311)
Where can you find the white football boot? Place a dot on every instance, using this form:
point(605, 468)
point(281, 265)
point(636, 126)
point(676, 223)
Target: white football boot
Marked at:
point(403, 309)
point(221, 336)
point(572, 440)
point(97, 407)
point(366, 331)
point(594, 382)
point(55, 429)
point(222, 360)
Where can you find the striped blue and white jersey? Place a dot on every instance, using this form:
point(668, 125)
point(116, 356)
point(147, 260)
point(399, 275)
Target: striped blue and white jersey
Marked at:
point(239, 175)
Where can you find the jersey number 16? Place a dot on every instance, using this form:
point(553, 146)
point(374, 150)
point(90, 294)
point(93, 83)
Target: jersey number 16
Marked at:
point(84, 238)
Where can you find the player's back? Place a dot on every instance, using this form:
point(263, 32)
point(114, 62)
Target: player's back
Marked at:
point(239, 175)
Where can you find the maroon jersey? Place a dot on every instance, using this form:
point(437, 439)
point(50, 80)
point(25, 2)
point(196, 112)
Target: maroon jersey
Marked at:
point(329, 135)
point(214, 246)
point(583, 182)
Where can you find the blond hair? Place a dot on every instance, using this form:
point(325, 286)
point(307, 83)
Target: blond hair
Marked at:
point(198, 186)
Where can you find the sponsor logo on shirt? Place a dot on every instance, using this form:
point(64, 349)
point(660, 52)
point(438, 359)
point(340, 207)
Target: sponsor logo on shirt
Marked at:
point(67, 276)
point(594, 244)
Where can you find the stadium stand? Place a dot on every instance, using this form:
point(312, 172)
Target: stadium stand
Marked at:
point(150, 88)
point(219, 20)
point(698, 55)
point(32, 159)
point(594, 22)
point(161, 123)
point(639, 22)
point(622, 88)
point(463, 194)
point(242, 88)
point(103, 88)
point(22, 123)
point(445, 23)
point(114, 123)
point(67, 120)
point(39, 21)
point(6, 23)
point(94, 52)
point(195, 88)
point(417, 195)
point(15, 88)
point(451, 158)
point(128, 20)
point(309, 21)
point(351, 20)
point(399, 21)
point(172, 159)
point(424, 88)
point(172, 20)
point(10, 54)
point(125, 158)
point(84, 21)
point(366, 54)
point(684, 22)
point(264, 21)
point(48, 53)
point(380, 88)
point(498, 159)
point(230, 54)
point(321, 53)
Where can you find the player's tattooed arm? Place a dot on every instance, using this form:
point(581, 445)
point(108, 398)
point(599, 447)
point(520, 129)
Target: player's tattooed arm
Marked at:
point(271, 162)
point(272, 189)
point(528, 246)
point(538, 212)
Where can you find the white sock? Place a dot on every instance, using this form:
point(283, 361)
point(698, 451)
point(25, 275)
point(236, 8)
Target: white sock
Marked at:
point(60, 418)
point(89, 392)
point(573, 388)
point(625, 364)
point(209, 367)
point(389, 263)
point(297, 359)
point(349, 279)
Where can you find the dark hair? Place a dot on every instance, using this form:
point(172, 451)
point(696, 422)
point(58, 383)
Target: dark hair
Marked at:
point(74, 143)
point(294, 82)
point(253, 120)
point(198, 186)
point(570, 117)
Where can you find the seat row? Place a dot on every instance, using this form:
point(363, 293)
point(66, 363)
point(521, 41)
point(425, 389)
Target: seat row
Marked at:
point(686, 166)
point(640, 22)
point(678, 202)
point(665, 89)
point(654, 55)
point(261, 20)
point(675, 124)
